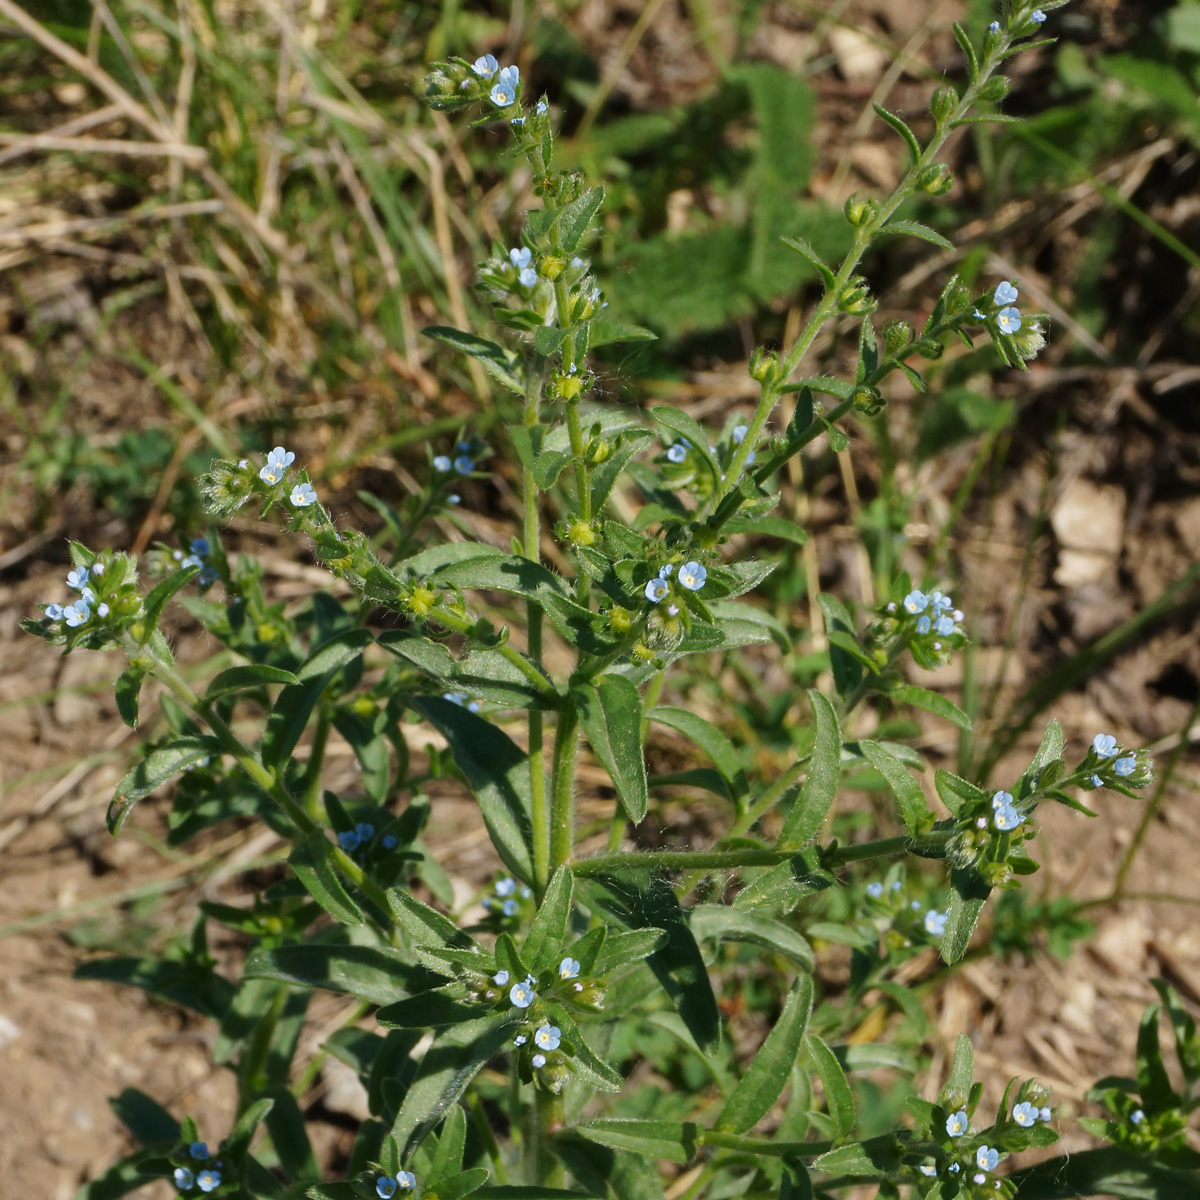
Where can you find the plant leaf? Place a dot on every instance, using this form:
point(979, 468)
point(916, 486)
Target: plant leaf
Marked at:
point(310, 860)
point(913, 806)
point(611, 713)
point(819, 789)
point(839, 1098)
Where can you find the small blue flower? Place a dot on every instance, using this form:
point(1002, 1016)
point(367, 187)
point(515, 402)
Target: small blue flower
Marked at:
point(1124, 767)
point(956, 1123)
point(692, 575)
point(390, 841)
point(281, 458)
point(945, 626)
point(303, 494)
point(510, 908)
point(78, 578)
point(979, 1177)
point(568, 968)
point(1008, 320)
point(522, 995)
point(935, 923)
point(348, 840)
point(940, 601)
point(77, 614)
point(928, 1170)
point(1005, 293)
point(520, 1040)
point(542, 108)
point(666, 570)
point(192, 560)
point(915, 906)
point(199, 546)
point(538, 1061)
point(1096, 781)
point(518, 122)
point(464, 464)
point(510, 76)
point(1045, 1112)
point(1000, 800)
point(485, 66)
point(875, 889)
point(1025, 1114)
point(986, 1158)
point(506, 887)
point(385, 1187)
point(184, 1179)
point(98, 567)
point(1037, 16)
point(915, 602)
point(54, 612)
point(406, 1180)
point(677, 453)
point(548, 1037)
point(955, 1168)
point(528, 278)
point(1137, 1117)
point(656, 589)
point(454, 498)
point(365, 832)
point(1007, 818)
point(442, 463)
point(521, 257)
point(502, 96)
point(1105, 745)
point(994, 27)
point(102, 610)
point(923, 624)
point(501, 978)
point(739, 434)
point(208, 1180)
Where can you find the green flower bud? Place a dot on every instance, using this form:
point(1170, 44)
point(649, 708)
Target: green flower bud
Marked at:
point(580, 533)
point(856, 298)
point(566, 387)
point(943, 103)
point(936, 179)
point(860, 212)
point(551, 267)
point(995, 89)
point(764, 365)
point(896, 335)
point(1029, 340)
point(868, 400)
point(620, 620)
point(929, 348)
point(598, 450)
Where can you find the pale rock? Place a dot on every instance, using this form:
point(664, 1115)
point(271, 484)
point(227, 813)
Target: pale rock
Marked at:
point(1088, 520)
point(859, 59)
point(344, 1091)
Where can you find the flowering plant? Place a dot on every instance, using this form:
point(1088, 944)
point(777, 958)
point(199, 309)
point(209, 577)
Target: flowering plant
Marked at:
point(496, 1035)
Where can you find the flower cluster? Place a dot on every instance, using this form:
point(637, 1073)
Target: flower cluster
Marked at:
point(201, 1173)
point(359, 838)
point(1019, 338)
point(503, 93)
point(163, 560)
point(691, 575)
point(386, 1186)
point(79, 612)
point(1108, 763)
point(507, 898)
point(902, 923)
point(108, 601)
point(931, 626)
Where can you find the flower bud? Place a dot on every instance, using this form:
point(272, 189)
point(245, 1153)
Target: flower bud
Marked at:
point(856, 298)
point(421, 600)
point(566, 387)
point(1029, 340)
point(995, 89)
point(859, 212)
point(580, 533)
point(943, 103)
point(551, 267)
point(929, 348)
point(936, 179)
point(598, 450)
point(896, 335)
point(587, 993)
point(764, 365)
point(620, 620)
point(868, 400)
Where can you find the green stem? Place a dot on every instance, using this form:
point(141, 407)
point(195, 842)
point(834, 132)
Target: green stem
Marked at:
point(488, 1136)
point(548, 1120)
point(312, 1068)
point(311, 781)
point(459, 623)
point(863, 236)
point(353, 872)
point(562, 798)
point(252, 1069)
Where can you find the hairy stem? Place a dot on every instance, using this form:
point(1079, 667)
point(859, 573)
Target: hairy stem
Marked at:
point(562, 799)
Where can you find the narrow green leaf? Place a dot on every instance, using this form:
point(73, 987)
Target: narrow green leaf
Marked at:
point(497, 772)
point(676, 1141)
point(917, 230)
point(760, 1087)
point(776, 527)
point(876, 1158)
point(1154, 1084)
point(547, 339)
point(847, 642)
point(962, 1075)
point(611, 713)
point(125, 1176)
point(185, 983)
point(913, 805)
point(444, 1074)
point(933, 702)
point(310, 860)
point(550, 924)
point(146, 1119)
point(285, 1124)
point(910, 138)
point(786, 885)
point(680, 423)
point(968, 893)
point(425, 924)
point(499, 362)
point(153, 771)
point(605, 333)
point(839, 1098)
point(332, 655)
point(370, 972)
point(576, 217)
point(964, 41)
point(129, 688)
point(806, 252)
point(956, 791)
point(157, 598)
point(235, 679)
point(726, 924)
point(847, 671)
point(621, 949)
point(548, 466)
point(429, 1010)
point(586, 1061)
point(710, 739)
point(820, 786)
